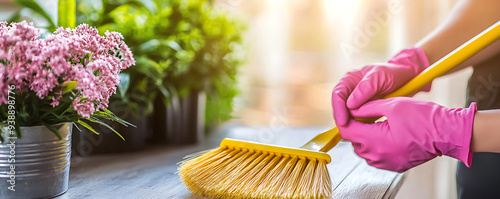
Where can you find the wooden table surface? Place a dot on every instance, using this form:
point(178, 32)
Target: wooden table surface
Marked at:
point(151, 173)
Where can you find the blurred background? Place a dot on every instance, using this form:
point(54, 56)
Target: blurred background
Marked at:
point(290, 55)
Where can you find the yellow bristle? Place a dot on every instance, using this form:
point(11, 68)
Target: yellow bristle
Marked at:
point(246, 176)
point(254, 183)
point(278, 182)
point(305, 185)
point(221, 171)
point(193, 170)
point(232, 183)
point(289, 186)
point(322, 182)
point(264, 190)
point(234, 172)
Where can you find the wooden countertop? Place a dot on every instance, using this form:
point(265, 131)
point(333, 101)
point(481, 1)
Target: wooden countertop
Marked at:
point(151, 173)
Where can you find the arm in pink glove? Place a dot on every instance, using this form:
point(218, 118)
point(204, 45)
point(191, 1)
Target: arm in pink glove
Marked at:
point(375, 81)
point(415, 131)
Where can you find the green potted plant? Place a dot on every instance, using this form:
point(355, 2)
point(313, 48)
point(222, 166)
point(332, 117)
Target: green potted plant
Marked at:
point(213, 68)
point(46, 85)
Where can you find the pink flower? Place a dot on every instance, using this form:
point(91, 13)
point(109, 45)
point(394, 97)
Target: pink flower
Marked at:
point(80, 54)
point(85, 108)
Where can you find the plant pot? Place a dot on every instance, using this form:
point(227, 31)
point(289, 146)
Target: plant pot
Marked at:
point(182, 122)
point(87, 143)
point(41, 163)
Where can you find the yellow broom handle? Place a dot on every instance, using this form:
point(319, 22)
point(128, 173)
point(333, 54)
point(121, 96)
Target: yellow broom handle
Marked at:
point(328, 139)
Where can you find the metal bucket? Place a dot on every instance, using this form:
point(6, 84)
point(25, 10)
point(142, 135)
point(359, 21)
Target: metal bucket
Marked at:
point(41, 163)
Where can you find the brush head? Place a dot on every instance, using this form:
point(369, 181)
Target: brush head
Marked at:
point(240, 169)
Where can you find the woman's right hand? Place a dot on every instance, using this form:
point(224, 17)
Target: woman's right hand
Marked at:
point(375, 81)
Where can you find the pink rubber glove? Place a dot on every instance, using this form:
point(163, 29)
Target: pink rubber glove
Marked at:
point(415, 131)
point(376, 81)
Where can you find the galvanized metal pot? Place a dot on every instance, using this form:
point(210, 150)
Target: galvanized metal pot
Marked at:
point(41, 163)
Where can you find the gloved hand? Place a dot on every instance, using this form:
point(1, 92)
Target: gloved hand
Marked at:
point(415, 131)
point(376, 81)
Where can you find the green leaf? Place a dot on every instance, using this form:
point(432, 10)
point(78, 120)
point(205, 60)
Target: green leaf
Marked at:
point(87, 126)
point(150, 45)
point(148, 68)
point(66, 13)
point(154, 44)
point(95, 120)
point(174, 45)
point(124, 84)
point(148, 4)
point(3, 127)
point(118, 119)
point(54, 130)
point(112, 117)
point(69, 86)
point(164, 91)
point(83, 98)
point(77, 127)
point(33, 5)
point(104, 115)
point(55, 111)
point(16, 16)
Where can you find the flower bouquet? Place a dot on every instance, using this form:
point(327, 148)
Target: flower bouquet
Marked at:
point(46, 85)
point(67, 77)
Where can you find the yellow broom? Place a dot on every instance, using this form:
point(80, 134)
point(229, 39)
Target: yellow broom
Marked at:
point(241, 169)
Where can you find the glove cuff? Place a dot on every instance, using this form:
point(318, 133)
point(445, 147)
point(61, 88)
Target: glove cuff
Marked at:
point(461, 150)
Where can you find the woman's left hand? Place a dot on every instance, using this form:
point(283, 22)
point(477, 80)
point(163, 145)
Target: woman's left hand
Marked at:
point(415, 131)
